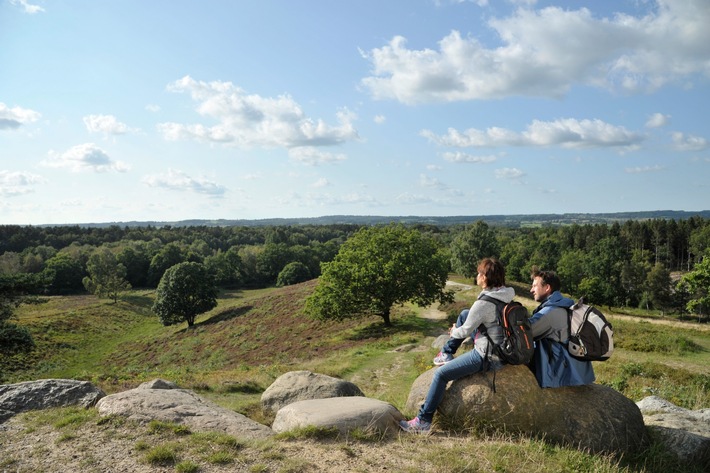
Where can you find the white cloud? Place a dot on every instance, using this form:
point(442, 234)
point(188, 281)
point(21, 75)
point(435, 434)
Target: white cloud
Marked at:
point(18, 183)
point(657, 120)
point(312, 156)
point(684, 142)
point(644, 169)
point(107, 124)
point(251, 120)
point(179, 181)
point(459, 157)
point(84, 157)
point(26, 6)
point(509, 173)
point(380, 119)
point(11, 118)
point(567, 133)
point(322, 182)
point(151, 107)
point(353, 198)
point(545, 52)
point(432, 182)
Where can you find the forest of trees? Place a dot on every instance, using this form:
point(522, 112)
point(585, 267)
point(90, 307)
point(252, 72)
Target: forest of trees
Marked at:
point(636, 263)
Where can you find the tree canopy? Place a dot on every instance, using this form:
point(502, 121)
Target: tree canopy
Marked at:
point(107, 277)
point(185, 291)
point(377, 268)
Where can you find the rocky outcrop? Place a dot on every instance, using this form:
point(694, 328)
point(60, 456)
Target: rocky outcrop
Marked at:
point(304, 385)
point(593, 417)
point(342, 413)
point(163, 401)
point(46, 393)
point(684, 432)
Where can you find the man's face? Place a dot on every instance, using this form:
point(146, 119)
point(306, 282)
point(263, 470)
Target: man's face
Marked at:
point(540, 290)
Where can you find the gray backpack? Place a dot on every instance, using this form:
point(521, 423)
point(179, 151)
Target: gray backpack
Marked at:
point(591, 337)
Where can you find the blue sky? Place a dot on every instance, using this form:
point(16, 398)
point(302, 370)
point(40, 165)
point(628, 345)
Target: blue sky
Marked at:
point(121, 110)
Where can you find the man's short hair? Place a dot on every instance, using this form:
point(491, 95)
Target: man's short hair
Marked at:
point(548, 277)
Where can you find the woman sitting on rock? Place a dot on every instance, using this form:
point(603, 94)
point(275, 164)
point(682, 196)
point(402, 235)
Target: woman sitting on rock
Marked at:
point(491, 278)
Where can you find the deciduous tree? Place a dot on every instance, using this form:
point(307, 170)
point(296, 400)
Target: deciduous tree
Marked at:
point(377, 268)
point(474, 243)
point(107, 277)
point(185, 291)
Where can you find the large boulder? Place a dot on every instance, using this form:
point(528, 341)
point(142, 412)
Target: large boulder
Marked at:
point(304, 385)
point(684, 432)
point(46, 393)
point(342, 413)
point(593, 417)
point(163, 401)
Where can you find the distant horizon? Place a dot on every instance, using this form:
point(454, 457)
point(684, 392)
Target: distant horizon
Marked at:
point(632, 215)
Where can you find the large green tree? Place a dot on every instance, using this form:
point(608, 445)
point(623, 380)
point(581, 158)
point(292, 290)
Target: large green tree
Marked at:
point(107, 277)
point(697, 283)
point(14, 290)
point(471, 245)
point(185, 291)
point(377, 268)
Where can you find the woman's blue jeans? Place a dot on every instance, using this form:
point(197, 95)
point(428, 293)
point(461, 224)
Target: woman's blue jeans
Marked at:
point(467, 364)
point(453, 344)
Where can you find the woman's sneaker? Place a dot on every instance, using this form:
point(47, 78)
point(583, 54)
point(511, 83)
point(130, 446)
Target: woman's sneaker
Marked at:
point(415, 426)
point(443, 358)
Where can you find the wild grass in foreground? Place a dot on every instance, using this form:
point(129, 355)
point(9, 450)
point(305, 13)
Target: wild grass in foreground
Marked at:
point(237, 350)
point(172, 446)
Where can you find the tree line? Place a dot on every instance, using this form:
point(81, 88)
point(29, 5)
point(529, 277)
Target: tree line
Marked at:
point(650, 264)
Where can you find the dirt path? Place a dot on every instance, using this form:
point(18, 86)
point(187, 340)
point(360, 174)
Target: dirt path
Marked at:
point(432, 312)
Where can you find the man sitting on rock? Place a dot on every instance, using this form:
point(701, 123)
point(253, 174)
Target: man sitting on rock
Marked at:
point(553, 364)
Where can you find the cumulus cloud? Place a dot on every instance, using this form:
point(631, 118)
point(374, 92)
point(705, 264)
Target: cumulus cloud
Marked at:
point(180, 181)
point(352, 198)
point(509, 173)
point(84, 157)
point(18, 183)
point(459, 157)
point(644, 169)
point(251, 120)
point(27, 6)
point(322, 182)
point(107, 124)
point(12, 118)
point(431, 182)
point(566, 133)
point(313, 156)
point(686, 142)
point(657, 120)
point(544, 52)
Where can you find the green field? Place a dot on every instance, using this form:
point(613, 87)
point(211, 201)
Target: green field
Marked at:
point(234, 352)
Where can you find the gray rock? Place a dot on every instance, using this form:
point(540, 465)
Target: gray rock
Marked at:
point(46, 393)
point(684, 432)
point(592, 417)
point(180, 406)
point(158, 384)
point(304, 385)
point(342, 413)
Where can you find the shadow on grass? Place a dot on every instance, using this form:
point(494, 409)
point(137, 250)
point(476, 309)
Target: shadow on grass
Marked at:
point(408, 324)
point(138, 300)
point(226, 315)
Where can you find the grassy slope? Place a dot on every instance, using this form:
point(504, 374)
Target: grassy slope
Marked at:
point(235, 351)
